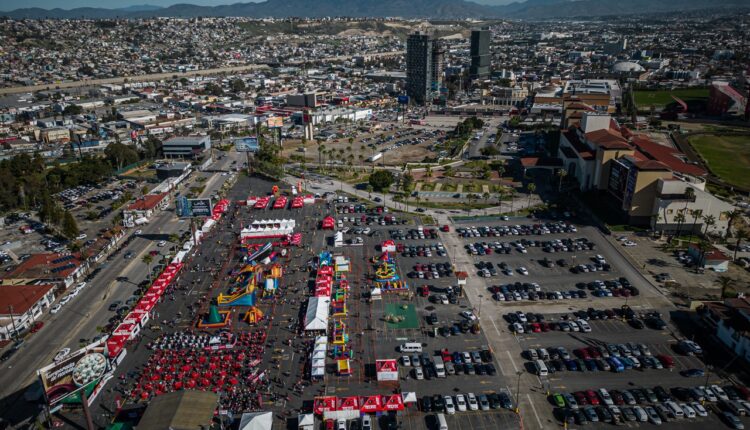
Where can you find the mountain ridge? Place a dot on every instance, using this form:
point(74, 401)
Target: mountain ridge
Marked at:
point(443, 9)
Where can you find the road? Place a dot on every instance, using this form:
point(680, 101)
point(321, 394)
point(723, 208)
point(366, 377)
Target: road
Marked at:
point(169, 75)
point(80, 318)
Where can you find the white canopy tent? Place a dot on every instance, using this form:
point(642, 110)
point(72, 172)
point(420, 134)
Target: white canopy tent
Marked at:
point(256, 421)
point(316, 317)
point(306, 422)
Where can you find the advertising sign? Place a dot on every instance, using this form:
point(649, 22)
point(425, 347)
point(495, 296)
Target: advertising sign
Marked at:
point(247, 144)
point(198, 207)
point(618, 176)
point(404, 100)
point(85, 369)
point(386, 370)
point(275, 122)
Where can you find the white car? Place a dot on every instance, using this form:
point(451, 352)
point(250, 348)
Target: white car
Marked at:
point(65, 299)
point(699, 409)
point(62, 354)
point(450, 408)
point(137, 232)
point(80, 285)
point(518, 328)
point(472, 400)
point(469, 315)
point(418, 373)
point(710, 396)
point(606, 398)
point(161, 243)
point(523, 271)
point(461, 402)
point(720, 393)
point(405, 360)
point(640, 414)
point(629, 243)
point(688, 410)
point(585, 327)
point(55, 309)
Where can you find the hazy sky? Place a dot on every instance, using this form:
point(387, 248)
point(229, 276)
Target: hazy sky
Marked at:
point(6, 5)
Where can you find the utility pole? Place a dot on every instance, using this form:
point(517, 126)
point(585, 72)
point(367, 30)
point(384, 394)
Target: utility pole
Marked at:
point(13, 322)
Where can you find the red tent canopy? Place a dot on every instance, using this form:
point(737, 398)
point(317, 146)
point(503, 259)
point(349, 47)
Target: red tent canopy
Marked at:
point(371, 404)
point(349, 404)
point(394, 402)
point(324, 404)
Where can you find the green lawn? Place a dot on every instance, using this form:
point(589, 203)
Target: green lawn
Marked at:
point(728, 157)
point(646, 98)
point(409, 314)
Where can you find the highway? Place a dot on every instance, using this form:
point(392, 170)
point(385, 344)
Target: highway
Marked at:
point(169, 75)
point(80, 318)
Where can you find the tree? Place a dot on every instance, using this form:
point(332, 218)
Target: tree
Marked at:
point(724, 282)
point(238, 85)
point(679, 219)
point(120, 155)
point(381, 180)
point(147, 260)
point(708, 221)
point(531, 188)
point(741, 235)
point(697, 213)
point(321, 150)
point(369, 189)
point(562, 173)
point(489, 151)
point(731, 216)
point(448, 171)
point(69, 225)
point(71, 110)
point(407, 181)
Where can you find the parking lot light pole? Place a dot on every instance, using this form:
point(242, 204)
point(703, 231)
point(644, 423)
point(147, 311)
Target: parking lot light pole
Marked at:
point(518, 389)
point(705, 384)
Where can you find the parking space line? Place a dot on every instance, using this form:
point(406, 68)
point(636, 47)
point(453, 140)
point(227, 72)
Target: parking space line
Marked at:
point(533, 409)
point(510, 356)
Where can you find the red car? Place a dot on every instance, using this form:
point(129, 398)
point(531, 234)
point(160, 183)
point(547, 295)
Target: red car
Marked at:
point(666, 361)
point(36, 326)
point(445, 228)
point(582, 353)
point(536, 327)
point(594, 352)
point(545, 327)
point(581, 398)
point(592, 397)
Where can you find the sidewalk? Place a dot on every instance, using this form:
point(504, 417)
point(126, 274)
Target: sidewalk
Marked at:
point(441, 216)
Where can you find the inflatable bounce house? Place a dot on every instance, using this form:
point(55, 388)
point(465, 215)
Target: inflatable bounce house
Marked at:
point(386, 274)
point(215, 318)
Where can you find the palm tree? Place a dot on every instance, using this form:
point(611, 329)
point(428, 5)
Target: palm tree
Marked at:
point(708, 221)
point(741, 235)
point(148, 259)
point(531, 188)
point(731, 216)
point(725, 282)
point(369, 191)
point(562, 173)
point(447, 171)
point(679, 219)
point(321, 150)
point(697, 213)
point(486, 196)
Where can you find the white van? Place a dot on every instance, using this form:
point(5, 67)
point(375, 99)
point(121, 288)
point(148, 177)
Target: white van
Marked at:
point(541, 368)
point(676, 409)
point(442, 424)
point(411, 347)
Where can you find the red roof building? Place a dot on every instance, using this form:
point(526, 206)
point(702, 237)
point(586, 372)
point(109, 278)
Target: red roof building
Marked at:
point(23, 303)
point(54, 268)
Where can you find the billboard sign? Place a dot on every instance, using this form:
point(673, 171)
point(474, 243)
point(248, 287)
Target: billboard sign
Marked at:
point(85, 369)
point(404, 100)
point(275, 122)
point(198, 207)
point(247, 144)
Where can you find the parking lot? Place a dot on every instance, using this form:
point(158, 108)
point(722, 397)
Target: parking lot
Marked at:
point(444, 333)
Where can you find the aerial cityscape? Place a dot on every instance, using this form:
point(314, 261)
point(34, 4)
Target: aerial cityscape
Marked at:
point(359, 215)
